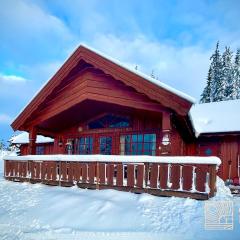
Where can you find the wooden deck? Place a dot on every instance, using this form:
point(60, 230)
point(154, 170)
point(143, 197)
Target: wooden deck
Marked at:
point(196, 181)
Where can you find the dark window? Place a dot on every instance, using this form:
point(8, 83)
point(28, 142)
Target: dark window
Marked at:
point(105, 145)
point(110, 121)
point(85, 145)
point(40, 150)
point(138, 144)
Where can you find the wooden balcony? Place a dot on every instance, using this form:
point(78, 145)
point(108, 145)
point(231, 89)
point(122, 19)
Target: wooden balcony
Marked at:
point(193, 177)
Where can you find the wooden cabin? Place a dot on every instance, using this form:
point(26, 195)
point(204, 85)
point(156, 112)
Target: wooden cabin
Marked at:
point(94, 105)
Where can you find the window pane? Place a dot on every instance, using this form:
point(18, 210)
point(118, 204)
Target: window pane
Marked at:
point(105, 145)
point(85, 145)
point(149, 137)
point(81, 140)
point(110, 121)
point(140, 138)
point(134, 137)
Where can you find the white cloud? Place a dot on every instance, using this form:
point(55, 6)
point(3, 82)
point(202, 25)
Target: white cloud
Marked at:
point(5, 119)
point(184, 68)
point(11, 79)
point(28, 19)
point(30, 33)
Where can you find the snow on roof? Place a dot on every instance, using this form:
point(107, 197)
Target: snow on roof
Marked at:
point(216, 117)
point(143, 75)
point(24, 138)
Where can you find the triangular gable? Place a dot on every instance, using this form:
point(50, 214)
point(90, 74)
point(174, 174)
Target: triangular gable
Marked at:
point(154, 89)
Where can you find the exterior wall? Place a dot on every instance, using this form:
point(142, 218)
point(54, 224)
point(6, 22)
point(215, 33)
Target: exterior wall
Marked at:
point(226, 147)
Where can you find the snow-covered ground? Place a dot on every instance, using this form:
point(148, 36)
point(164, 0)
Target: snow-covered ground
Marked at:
point(36, 211)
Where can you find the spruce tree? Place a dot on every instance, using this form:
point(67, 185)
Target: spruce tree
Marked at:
point(217, 93)
point(227, 74)
point(236, 73)
point(206, 95)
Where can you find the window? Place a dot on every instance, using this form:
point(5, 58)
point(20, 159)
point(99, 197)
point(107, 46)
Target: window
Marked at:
point(105, 145)
point(109, 121)
point(138, 144)
point(40, 150)
point(85, 145)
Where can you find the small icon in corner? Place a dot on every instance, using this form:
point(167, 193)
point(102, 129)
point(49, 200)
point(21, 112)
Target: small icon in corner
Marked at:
point(219, 215)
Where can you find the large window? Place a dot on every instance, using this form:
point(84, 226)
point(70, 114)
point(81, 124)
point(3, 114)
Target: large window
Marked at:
point(109, 121)
point(85, 145)
point(138, 144)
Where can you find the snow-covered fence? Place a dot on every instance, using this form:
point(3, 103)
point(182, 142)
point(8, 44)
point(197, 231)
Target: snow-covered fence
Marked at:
point(193, 177)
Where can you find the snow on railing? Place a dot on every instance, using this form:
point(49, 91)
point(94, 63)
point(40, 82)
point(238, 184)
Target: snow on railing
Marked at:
point(119, 158)
point(169, 176)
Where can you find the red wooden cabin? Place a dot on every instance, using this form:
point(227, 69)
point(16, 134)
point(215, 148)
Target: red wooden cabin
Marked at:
point(95, 105)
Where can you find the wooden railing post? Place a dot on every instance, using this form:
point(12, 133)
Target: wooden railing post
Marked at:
point(212, 179)
point(146, 174)
point(97, 176)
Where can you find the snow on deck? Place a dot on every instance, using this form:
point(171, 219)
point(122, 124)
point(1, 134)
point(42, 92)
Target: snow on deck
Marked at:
point(216, 117)
point(24, 138)
point(119, 158)
point(37, 211)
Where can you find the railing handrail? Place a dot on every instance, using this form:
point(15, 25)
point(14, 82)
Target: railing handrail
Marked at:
point(119, 158)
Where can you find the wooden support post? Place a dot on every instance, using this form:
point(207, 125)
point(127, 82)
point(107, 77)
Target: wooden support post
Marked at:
point(212, 179)
point(32, 141)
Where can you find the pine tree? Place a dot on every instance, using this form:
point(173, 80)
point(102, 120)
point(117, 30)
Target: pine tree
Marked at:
point(227, 74)
point(206, 95)
point(236, 74)
point(217, 92)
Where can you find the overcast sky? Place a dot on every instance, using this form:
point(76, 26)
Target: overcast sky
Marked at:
point(173, 38)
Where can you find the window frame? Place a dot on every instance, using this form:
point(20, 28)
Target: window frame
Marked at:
point(150, 151)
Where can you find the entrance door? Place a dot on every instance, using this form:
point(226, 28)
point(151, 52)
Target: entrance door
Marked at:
point(105, 144)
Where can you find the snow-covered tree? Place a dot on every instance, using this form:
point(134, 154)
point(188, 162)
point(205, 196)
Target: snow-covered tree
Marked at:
point(217, 92)
point(236, 74)
point(206, 95)
point(227, 74)
point(13, 147)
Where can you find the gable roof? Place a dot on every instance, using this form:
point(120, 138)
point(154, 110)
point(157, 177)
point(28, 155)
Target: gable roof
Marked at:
point(216, 117)
point(143, 75)
point(153, 88)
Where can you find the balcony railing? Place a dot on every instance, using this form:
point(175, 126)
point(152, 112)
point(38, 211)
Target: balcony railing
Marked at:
point(193, 177)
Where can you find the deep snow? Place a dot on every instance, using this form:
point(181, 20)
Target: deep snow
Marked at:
point(36, 211)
